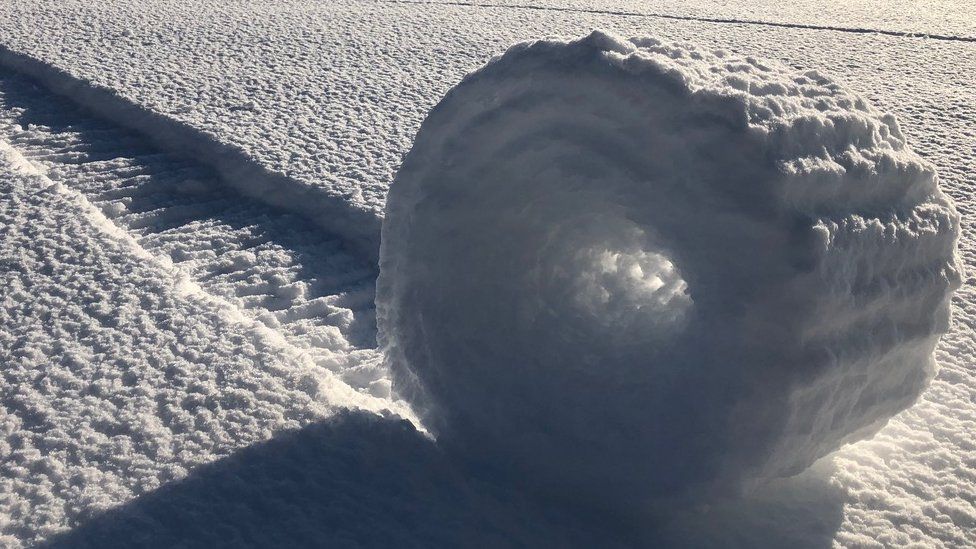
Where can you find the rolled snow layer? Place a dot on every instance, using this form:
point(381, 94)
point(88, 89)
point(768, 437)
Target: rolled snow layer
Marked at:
point(624, 270)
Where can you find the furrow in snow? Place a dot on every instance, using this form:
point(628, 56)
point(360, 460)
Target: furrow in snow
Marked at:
point(279, 268)
point(358, 227)
point(119, 373)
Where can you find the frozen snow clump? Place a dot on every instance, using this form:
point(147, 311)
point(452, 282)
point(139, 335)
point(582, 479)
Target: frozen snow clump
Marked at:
point(625, 270)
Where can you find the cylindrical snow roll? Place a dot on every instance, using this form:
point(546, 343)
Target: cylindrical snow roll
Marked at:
point(626, 270)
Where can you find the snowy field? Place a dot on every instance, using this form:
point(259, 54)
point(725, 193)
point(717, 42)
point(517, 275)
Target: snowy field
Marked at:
point(189, 226)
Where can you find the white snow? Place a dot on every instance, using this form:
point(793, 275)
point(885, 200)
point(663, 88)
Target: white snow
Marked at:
point(119, 372)
point(313, 105)
point(629, 269)
point(950, 19)
point(278, 268)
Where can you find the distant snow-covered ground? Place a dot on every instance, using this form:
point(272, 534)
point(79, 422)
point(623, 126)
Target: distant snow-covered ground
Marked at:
point(950, 19)
point(140, 345)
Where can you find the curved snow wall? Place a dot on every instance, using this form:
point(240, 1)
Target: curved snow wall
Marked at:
point(358, 226)
point(624, 270)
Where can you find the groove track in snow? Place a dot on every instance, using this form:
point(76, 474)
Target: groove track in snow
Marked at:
point(719, 20)
point(277, 267)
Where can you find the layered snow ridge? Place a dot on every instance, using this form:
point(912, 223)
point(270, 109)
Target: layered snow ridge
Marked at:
point(625, 270)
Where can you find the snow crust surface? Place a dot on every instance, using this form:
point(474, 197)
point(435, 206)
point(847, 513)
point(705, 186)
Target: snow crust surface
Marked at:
point(951, 19)
point(276, 267)
point(120, 374)
point(629, 268)
point(327, 96)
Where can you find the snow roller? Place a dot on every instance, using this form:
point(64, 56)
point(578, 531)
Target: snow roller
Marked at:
point(620, 270)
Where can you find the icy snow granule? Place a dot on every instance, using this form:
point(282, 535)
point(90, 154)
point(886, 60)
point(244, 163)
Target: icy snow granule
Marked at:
point(623, 270)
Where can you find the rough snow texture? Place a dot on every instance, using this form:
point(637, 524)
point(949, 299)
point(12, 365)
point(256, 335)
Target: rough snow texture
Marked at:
point(628, 268)
point(276, 267)
point(328, 95)
point(331, 94)
point(120, 373)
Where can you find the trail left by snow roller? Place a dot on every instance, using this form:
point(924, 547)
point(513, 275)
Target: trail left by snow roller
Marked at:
point(624, 270)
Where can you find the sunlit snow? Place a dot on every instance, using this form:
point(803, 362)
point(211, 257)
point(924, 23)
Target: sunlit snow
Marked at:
point(192, 195)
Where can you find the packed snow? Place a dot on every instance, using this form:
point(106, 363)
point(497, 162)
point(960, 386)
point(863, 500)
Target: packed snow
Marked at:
point(627, 269)
point(307, 108)
point(276, 267)
point(119, 372)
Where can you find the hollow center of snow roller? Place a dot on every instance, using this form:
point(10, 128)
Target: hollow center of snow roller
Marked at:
point(613, 281)
point(614, 285)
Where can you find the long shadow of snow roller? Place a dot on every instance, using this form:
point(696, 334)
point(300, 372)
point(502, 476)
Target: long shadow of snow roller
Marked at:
point(632, 274)
point(353, 480)
point(359, 480)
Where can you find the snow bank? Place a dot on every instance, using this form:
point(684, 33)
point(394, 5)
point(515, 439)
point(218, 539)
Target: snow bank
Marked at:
point(621, 269)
